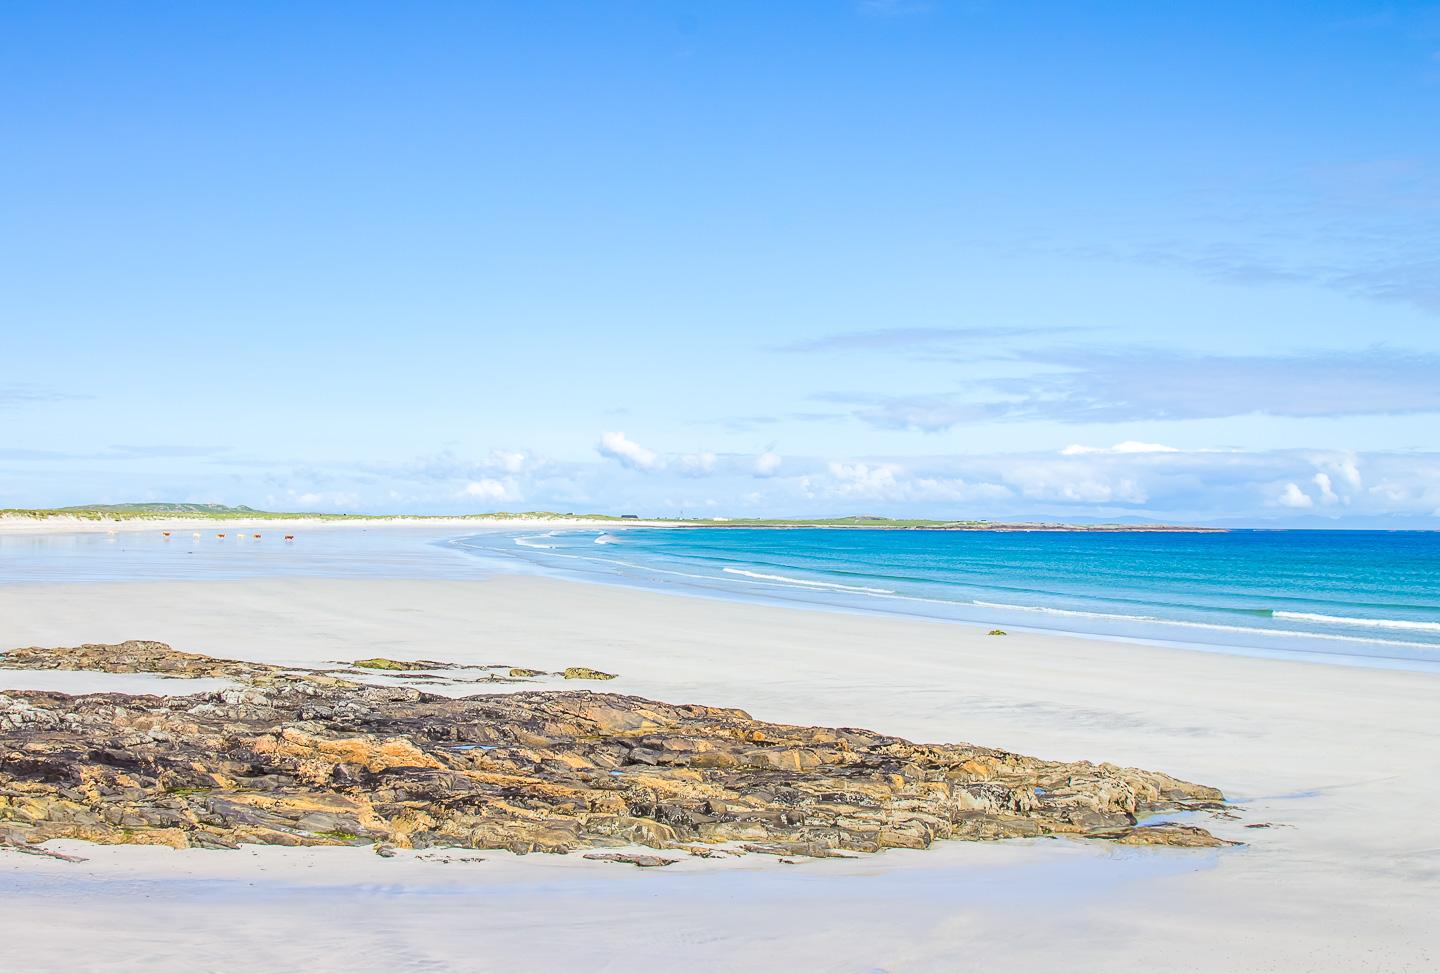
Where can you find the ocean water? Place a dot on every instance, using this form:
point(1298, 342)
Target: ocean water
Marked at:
point(1345, 596)
point(1355, 597)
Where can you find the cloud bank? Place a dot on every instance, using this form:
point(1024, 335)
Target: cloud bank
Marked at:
point(1132, 480)
point(1108, 385)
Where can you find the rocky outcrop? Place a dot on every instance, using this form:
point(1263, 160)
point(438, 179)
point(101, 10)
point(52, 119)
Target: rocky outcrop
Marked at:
point(585, 673)
point(148, 656)
point(381, 663)
point(293, 757)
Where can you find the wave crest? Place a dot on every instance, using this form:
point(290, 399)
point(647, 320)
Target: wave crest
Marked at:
point(1256, 630)
point(1353, 621)
point(810, 583)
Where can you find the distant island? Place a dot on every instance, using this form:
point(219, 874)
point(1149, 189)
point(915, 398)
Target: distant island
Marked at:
point(222, 512)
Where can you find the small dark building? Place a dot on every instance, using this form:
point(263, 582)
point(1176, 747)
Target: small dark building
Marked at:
point(629, 517)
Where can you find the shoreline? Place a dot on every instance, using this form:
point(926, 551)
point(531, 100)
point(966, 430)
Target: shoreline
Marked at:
point(62, 523)
point(1012, 619)
point(1389, 650)
point(1244, 651)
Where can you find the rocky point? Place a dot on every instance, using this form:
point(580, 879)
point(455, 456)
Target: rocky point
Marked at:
point(291, 756)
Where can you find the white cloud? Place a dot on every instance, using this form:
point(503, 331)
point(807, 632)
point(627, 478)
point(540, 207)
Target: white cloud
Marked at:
point(705, 463)
point(892, 483)
point(1345, 468)
point(696, 464)
point(510, 461)
point(863, 479)
point(488, 489)
point(956, 489)
point(1293, 496)
point(625, 451)
point(1075, 483)
point(1129, 446)
point(1088, 384)
point(1187, 486)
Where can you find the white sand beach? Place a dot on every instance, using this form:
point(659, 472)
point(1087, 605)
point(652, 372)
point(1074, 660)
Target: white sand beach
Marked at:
point(1340, 762)
point(49, 524)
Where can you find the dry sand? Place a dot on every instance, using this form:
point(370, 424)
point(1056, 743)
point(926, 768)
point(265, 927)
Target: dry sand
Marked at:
point(16, 524)
point(1342, 762)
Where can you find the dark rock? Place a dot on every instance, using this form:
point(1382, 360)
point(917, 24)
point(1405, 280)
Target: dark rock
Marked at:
point(585, 673)
point(297, 758)
point(643, 861)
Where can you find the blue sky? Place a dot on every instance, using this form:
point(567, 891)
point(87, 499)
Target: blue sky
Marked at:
point(1088, 260)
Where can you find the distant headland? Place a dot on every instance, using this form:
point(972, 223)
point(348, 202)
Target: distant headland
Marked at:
point(101, 513)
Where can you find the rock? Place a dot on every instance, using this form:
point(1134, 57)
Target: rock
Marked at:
point(708, 852)
point(432, 857)
point(142, 656)
point(385, 851)
point(812, 850)
point(35, 850)
point(297, 758)
point(585, 673)
point(1164, 833)
point(997, 632)
point(148, 656)
point(643, 861)
point(523, 672)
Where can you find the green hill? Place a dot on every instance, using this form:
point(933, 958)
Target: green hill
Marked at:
point(201, 510)
point(127, 512)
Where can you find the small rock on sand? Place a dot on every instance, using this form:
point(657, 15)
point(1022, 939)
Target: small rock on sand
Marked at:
point(585, 673)
point(634, 859)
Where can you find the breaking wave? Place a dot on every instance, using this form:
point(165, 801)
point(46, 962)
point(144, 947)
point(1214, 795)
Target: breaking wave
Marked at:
point(786, 579)
point(1214, 626)
point(1352, 621)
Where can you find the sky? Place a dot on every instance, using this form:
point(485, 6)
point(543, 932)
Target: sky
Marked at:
point(1066, 260)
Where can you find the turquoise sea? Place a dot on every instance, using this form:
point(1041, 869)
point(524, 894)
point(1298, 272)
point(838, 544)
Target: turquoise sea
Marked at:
point(1360, 596)
point(1355, 597)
